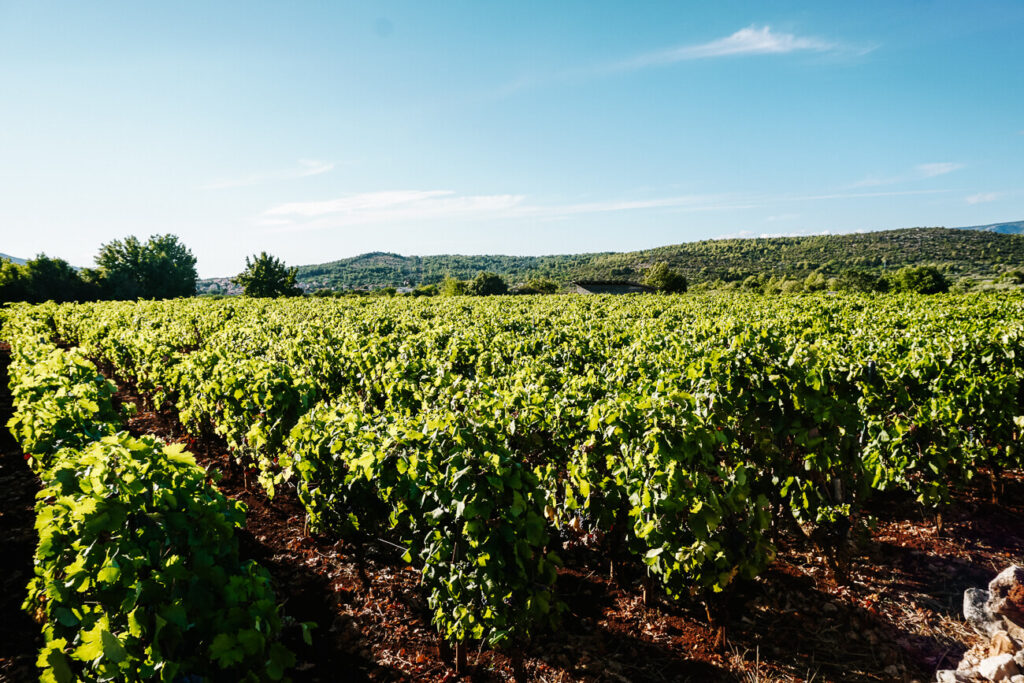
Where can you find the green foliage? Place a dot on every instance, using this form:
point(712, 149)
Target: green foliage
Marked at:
point(160, 268)
point(815, 282)
point(859, 280)
point(452, 287)
point(138, 575)
point(961, 253)
point(43, 279)
point(682, 434)
point(60, 401)
point(267, 276)
point(137, 569)
point(920, 280)
point(469, 510)
point(665, 279)
point(539, 285)
point(251, 404)
point(486, 284)
point(13, 282)
point(425, 290)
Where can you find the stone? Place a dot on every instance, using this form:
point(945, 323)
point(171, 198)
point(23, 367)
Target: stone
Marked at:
point(998, 668)
point(1014, 631)
point(1001, 643)
point(969, 661)
point(950, 676)
point(1006, 594)
point(978, 614)
point(1019, 678)
point(1019, 659)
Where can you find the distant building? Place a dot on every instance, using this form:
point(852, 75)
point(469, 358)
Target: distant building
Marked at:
point(609, 287)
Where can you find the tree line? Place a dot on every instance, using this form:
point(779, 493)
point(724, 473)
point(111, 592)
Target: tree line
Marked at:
point(163, 267)
point(159, 268)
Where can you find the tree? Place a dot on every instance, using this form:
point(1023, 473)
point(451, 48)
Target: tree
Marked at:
point(161, 268)
point(425, 290)
point(54, 279)
point(267, 276)
point(665, 279)
point(453, 287)
point(485, 284)
point(539, 285)
point(14, 284)
point(859, 280)
point(920, 280)
point(815, 282)
point(43, 279)
point(752, 283)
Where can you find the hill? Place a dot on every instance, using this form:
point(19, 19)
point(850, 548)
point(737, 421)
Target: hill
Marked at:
point(386, 269)
point(959, 252)
point(13, 259)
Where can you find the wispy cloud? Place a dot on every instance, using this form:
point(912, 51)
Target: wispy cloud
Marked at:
point(749, 41)
point(919, 172)
point(406, 207)
point(941, 168)
point(356, 203)
point(982, 197)
point(388, 206)
point(305, 168)
point(752, 40)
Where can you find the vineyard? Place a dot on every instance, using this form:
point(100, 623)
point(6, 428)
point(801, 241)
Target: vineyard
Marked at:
point(503, 449)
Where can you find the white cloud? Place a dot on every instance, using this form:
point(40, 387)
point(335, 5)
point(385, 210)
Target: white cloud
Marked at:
point(936, 169)
point(982, 197)
point(690, 202)
point(406, 207)
point(388, 207)
point(861, 195)
point(747, 41)
point(919, 172)
point(306, 168)
point(365, 202)
point(409, 206)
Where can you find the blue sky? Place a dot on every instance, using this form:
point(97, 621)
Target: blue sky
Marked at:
point(317, 131)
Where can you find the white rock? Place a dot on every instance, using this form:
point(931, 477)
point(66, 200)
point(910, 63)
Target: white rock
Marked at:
point(998, 668)
point(977, 613)
point(1019, 659)
point(951, 676)
point(969, 661)
point(1006, 594)
point(1014, 631)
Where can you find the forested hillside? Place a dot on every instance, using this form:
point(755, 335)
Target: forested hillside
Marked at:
point(957, 252)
